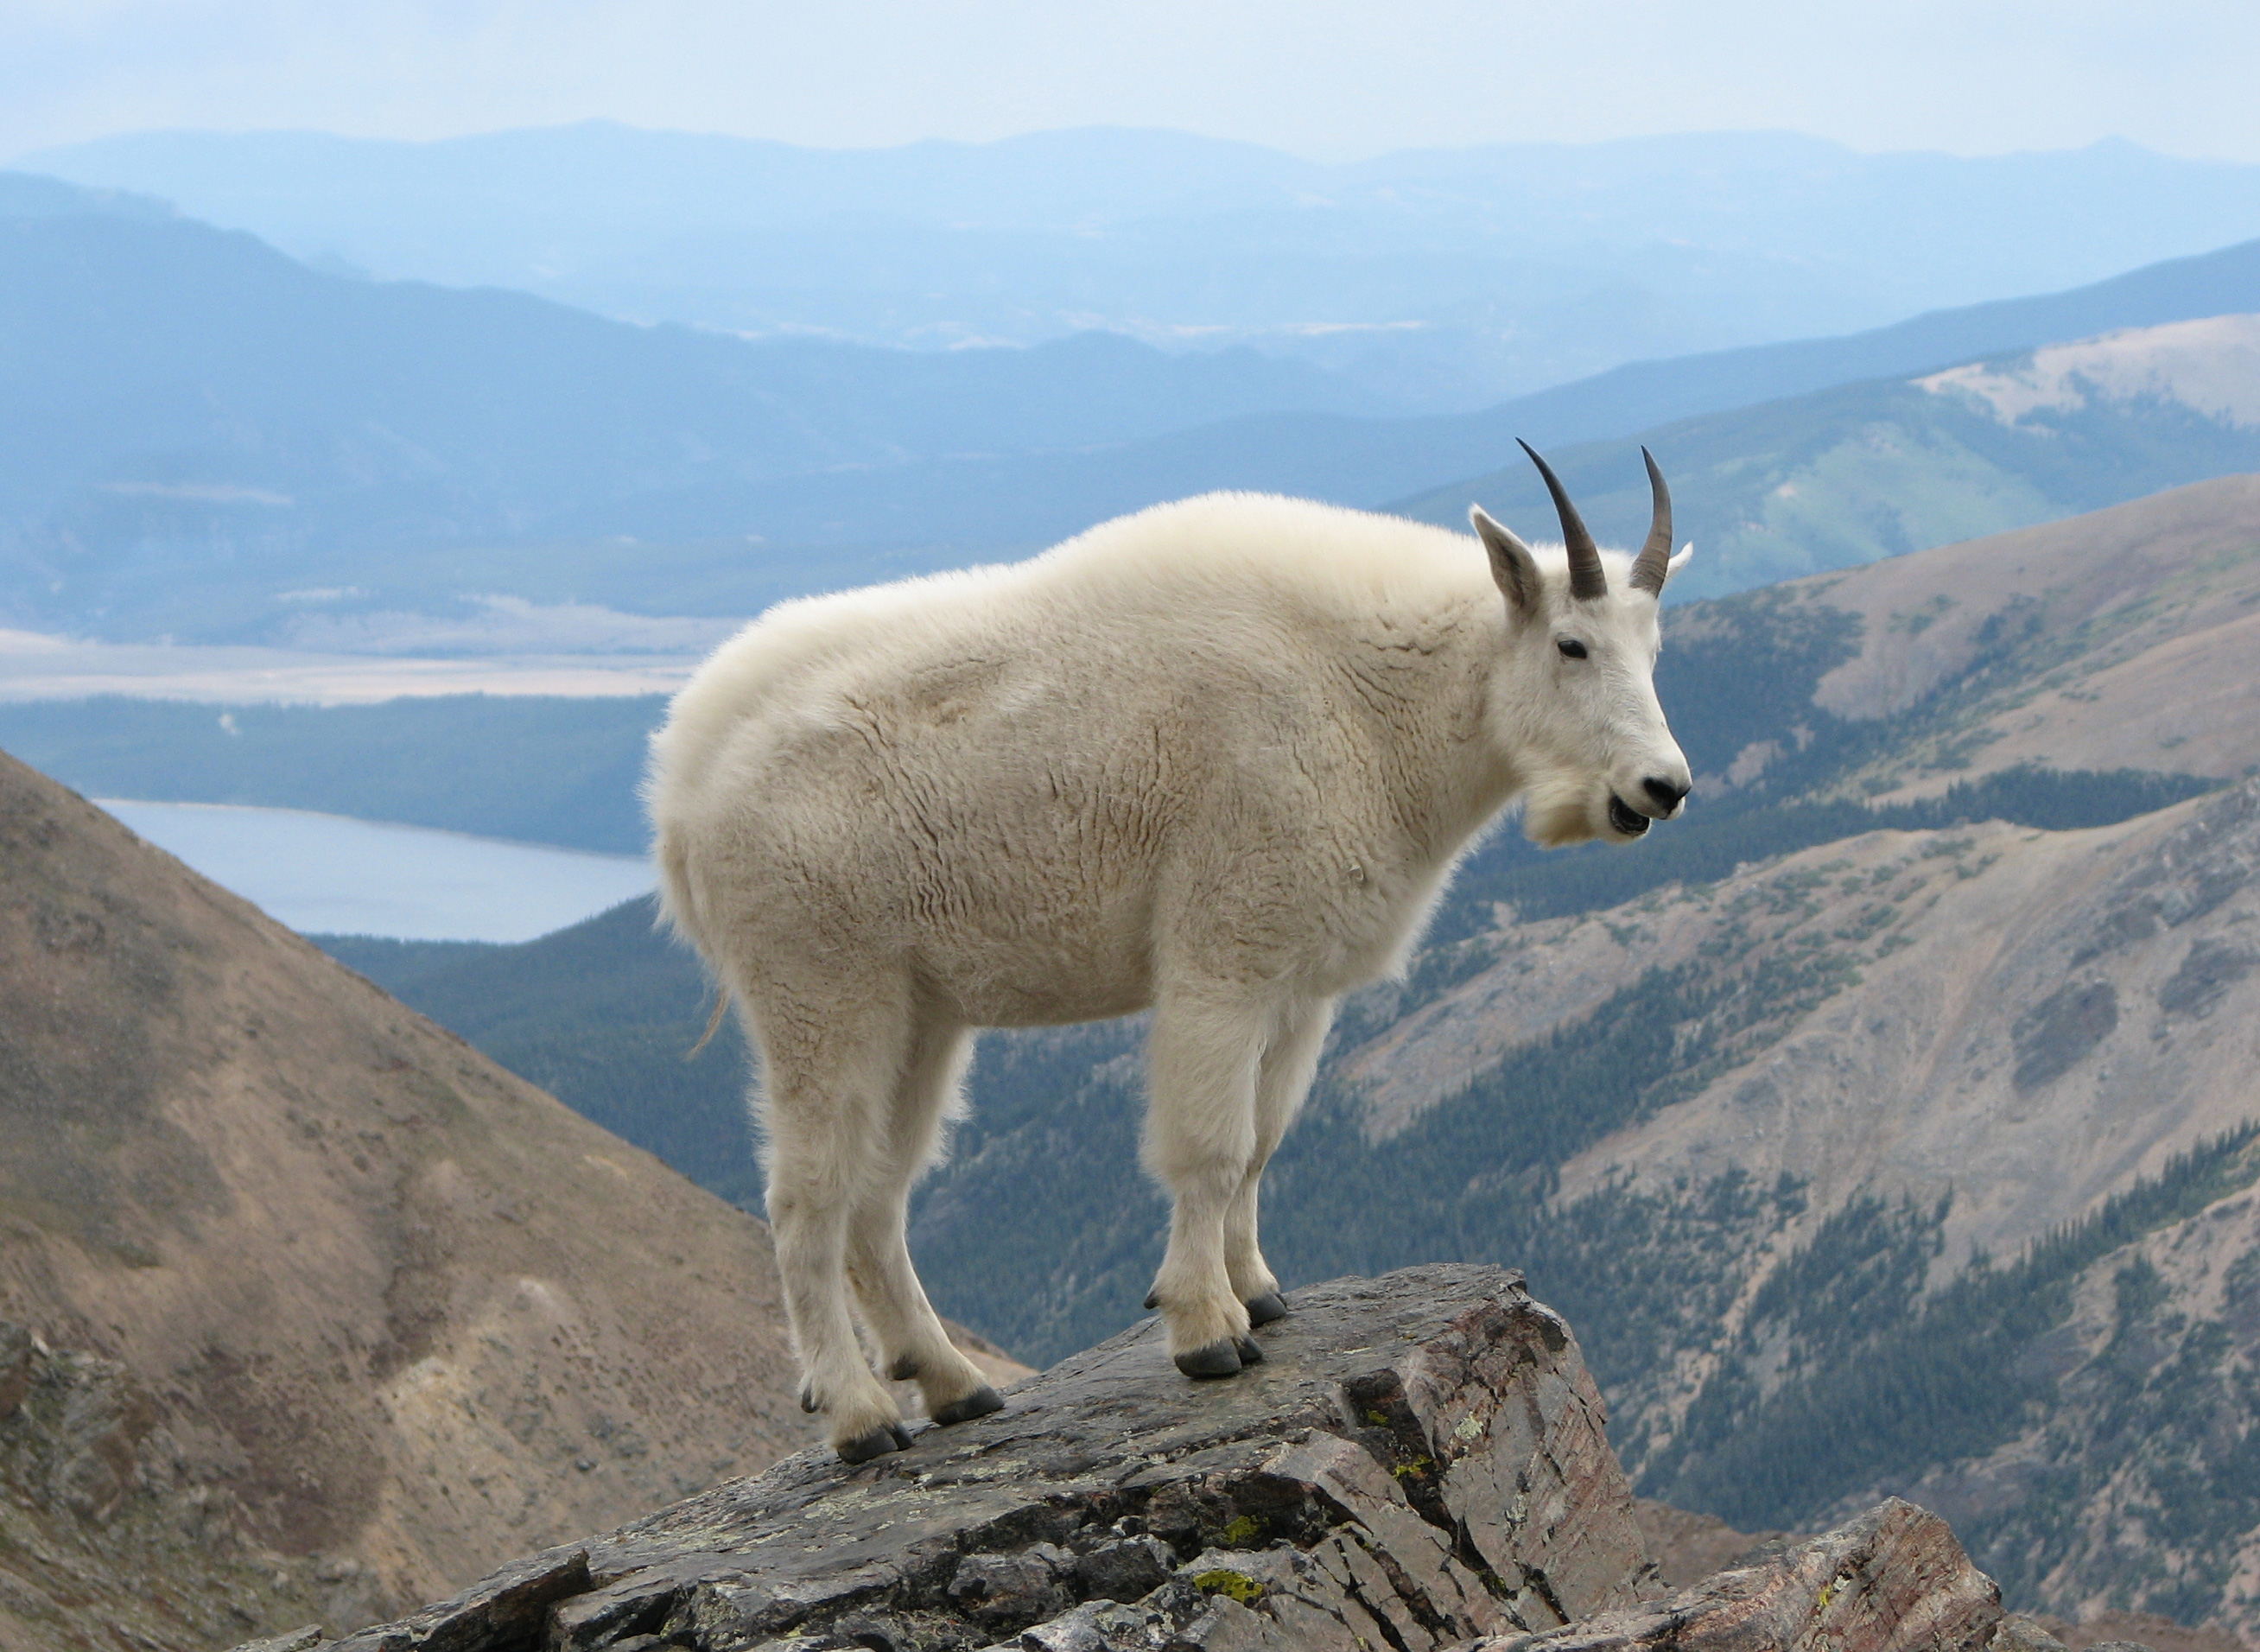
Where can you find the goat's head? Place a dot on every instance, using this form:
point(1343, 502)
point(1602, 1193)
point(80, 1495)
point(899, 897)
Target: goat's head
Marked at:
point(1576, 701)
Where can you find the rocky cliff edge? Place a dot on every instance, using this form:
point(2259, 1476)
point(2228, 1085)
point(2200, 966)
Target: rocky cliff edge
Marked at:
point(1421, 1463)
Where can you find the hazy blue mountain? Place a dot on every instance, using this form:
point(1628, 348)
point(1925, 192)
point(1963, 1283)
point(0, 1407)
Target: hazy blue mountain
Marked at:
point(27, 194)
point(1441, 278)
point(1642, 395)
point(189, 413)
point(208, 440)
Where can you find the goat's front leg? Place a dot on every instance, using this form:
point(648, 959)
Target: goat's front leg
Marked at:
point(1203, 1060)
point(1290, 1057)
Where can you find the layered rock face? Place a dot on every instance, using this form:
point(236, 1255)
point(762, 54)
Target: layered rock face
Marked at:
point(1421, 1463)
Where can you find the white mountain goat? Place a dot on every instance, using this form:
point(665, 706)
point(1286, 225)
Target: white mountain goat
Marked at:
point(1217, 758)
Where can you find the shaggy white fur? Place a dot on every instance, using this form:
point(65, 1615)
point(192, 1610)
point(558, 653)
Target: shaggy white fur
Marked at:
point(1217, 758)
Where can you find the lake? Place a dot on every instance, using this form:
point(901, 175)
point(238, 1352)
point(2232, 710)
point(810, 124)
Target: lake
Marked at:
point(328, 873)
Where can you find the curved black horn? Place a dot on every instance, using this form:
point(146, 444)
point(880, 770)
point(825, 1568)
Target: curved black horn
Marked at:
point(1586, 579)
point(1653, 565)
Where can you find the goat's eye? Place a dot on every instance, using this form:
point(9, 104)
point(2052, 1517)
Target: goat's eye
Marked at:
point(1571, 648)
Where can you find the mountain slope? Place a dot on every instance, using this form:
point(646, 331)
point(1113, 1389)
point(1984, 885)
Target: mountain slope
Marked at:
point(398, 1314)
point(2120, 638)
point(1642, 395)
point(605, 1016)
point(1851, 474)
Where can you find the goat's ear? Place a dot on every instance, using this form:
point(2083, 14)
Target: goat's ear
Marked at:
point(1512, 564)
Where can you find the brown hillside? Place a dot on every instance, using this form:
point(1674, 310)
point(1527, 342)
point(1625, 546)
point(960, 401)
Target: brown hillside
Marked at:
point(1925, 1054)
point(2130, 634)
point(391, 1313)
point(2026, 1021)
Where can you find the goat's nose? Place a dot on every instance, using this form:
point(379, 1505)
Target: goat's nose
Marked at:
point(1666, 795)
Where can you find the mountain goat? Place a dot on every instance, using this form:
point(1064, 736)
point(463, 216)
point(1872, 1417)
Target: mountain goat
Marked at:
point(1217, 759)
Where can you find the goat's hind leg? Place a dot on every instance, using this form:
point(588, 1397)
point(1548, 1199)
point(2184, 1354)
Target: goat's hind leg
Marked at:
point(829, 1074)
point(912, 1342)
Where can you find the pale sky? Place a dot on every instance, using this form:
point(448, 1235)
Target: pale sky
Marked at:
point(1329, 79)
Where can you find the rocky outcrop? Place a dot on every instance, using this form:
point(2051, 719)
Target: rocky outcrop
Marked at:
point(1894, 1580)
point(1421, 1463)
point(108, 1540)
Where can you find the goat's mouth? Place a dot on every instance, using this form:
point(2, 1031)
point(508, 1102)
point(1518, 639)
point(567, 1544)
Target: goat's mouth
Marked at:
point(1628, 820)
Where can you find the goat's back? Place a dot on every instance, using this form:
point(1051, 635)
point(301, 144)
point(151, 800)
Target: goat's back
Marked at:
point(1063, 726)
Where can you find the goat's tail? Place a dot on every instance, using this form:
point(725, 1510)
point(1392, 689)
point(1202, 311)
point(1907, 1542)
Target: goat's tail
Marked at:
point(678, 910)
point(713, 1022)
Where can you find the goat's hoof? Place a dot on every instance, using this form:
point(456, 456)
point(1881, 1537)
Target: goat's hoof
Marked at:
point(807, 1398)
point(1153, 1300)
point(904, 1368)
point(1249, 1354)
point(1265, 1309)
point(979, 1402)
point(877, 1443)
point(1216, 1359)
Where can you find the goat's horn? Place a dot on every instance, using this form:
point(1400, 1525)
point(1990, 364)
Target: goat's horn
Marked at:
point(1586, 579)
point(1653, 565)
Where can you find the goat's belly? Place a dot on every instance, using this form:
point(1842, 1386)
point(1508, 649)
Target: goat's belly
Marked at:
point(1041, 979)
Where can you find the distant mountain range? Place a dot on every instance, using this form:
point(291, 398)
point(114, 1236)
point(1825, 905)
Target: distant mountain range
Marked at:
point(208, 440)
point(180, 402)
point(1439, 280)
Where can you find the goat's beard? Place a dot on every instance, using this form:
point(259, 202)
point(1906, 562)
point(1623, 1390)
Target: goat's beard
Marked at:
point(1557, 811)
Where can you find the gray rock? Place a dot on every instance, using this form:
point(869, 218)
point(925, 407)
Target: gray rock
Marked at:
point(308, 1639)
point(506, 1613)
point(2021, 1632)
point(1419, 1464)
point(15, 1350)
point(1420, 1460)
point(1894, 1580)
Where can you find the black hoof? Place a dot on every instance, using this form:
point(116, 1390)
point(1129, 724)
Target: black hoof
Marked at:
point(877, 1443)
point(904, 1368)
point(1153, 1300)
point(1265, 1309)
point(808, 1399)
point(1217, 1359)
point(1249, 1354)
point(979, 1402)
